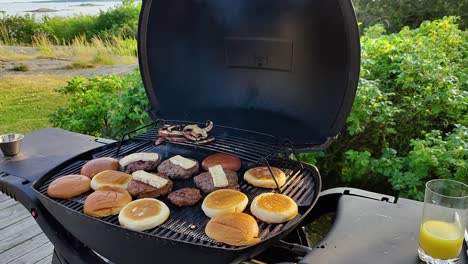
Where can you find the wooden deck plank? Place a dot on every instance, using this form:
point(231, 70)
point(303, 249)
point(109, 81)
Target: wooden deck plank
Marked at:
point(18, 227)
point(3, 197)
point(23, 249)
point(11, 210)
point(13, 218)
point(46, 260)
point(18, 238)
point(7, 203)
point(36, 254)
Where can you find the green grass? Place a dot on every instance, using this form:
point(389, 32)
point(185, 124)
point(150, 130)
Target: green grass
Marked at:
point(27, 101)
point(21, 67)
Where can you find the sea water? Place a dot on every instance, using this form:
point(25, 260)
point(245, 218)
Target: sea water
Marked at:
point(62, 7)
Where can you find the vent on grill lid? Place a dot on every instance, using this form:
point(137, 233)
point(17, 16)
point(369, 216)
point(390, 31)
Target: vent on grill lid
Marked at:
point(287, 68)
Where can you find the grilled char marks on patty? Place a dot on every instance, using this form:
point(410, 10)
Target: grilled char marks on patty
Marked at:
point(204, 181)
point(185, 196)
point(142, 165)
point(142, 190)
point(176, 172)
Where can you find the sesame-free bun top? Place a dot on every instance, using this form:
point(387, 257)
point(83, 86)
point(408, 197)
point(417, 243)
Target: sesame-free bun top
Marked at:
point(236, 229)
point(107, 200)
point(228, 162)
point(95, 166)
point(143, 214)
point(261, 177)
point(110, 178)
point(273, 208)
point(224, 200)
point(68, 186)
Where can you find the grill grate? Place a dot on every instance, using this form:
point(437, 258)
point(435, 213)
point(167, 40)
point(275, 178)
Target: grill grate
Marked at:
point(187, 223)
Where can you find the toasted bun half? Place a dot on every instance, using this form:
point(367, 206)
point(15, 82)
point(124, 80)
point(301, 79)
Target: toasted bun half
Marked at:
point(95, 166)
point(143, 214)
point(273, 208)
point(110, 178)
point(223, 201)
point(236, 229)
point(226, 161)
point(68, 186)
point(107, 200)
point(261, 177)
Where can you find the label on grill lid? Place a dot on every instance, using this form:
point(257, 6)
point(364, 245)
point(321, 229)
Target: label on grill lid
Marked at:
point(218, 175)
point(149, 178)
point(182, 162)
point(142, 156)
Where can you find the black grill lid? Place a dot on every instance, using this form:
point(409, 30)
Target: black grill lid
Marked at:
point(288, 68)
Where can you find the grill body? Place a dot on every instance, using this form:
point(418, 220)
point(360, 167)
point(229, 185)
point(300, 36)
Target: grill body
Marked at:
point(181, 238)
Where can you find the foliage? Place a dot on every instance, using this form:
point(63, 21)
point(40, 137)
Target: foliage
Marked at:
point(395, 14)
point(409, 122)
point(104, 106)
point(121, 21)
point(21, 67)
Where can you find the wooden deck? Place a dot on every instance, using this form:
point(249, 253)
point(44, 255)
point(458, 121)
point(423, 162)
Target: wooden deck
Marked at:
point(21, 239)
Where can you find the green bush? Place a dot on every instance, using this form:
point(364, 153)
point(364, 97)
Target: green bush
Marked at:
point(409, 122)
point(395, 14)
point(121, 21)
point(104, 106)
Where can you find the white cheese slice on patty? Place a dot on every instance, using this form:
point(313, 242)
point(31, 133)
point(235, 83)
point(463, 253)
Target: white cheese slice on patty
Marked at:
point(141, 156)
point(149, 178)
point(218, 175)
point(183, 162)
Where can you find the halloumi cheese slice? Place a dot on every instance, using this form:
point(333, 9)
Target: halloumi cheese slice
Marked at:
point(149, 178)
point(218, 175)
point(141, 156)
point(182, 162)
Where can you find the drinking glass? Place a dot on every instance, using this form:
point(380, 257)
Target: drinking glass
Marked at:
point(445, 217)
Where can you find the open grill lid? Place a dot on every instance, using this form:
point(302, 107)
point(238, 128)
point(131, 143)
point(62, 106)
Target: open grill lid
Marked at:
point(288, 68)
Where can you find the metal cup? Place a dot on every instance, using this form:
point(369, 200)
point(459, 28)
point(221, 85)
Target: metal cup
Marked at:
point(10, 143)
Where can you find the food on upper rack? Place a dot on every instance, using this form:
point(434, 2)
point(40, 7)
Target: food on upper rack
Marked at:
point(107, 200)
point(95, 166)
point(68, 186)
point(149, 185)
point(224, 201)
point(185, 133)
point(261, 177)
point(216, 178)
point(143, 214)
point(110, 178)
point(273, 208)
point(228, 162)
point(179, 168)
point(140, 161)
point(185, 196)
point(236, 229)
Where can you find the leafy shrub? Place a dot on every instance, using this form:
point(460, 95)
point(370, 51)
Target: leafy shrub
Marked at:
point(104, 106)
point(121, 21)
point(21, 67)
point(410, 115)
point(395, 14)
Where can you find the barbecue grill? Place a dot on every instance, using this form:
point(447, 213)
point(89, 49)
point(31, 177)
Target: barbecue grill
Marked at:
point(275, 77)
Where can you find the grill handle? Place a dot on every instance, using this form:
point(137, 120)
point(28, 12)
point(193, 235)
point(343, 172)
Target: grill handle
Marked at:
point(297, 249)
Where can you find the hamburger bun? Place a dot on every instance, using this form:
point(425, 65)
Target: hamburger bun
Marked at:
point(261, 177)
point(110, 178)
point(107, 200)
point(143, 214)
point(95, 166)
point(236, 229)
point(68, 186)
point(273, 208)
point(223, 201)
point(226, 161)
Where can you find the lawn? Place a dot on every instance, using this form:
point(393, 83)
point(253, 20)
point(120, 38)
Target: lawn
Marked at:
point(27, 100)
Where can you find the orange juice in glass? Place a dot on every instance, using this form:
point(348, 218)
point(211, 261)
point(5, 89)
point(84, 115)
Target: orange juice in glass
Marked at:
point(445, 216)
